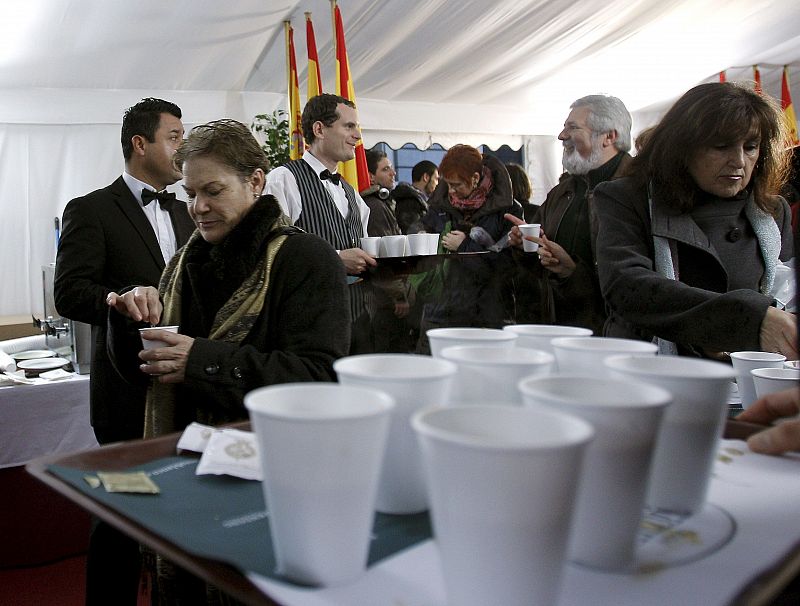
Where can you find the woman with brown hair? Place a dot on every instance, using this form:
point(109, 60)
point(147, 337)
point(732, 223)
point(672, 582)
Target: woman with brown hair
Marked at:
point(689, 242)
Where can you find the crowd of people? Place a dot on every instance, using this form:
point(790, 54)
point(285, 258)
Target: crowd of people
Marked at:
point(264, 275)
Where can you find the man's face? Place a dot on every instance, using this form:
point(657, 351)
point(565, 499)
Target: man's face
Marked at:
point(158, 153)
point(384, 174)
point(433, 181)
point(338, 141)
point(582, 150)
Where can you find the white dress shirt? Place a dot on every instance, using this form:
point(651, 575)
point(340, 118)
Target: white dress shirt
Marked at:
point(157, 216)
point(282, 184)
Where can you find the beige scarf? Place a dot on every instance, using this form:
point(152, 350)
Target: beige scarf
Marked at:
point(231, 324)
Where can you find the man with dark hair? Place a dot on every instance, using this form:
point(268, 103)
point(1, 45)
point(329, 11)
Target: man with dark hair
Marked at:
point(596, 139)
point(411, 199)
point(115, 237)
point(315, 197)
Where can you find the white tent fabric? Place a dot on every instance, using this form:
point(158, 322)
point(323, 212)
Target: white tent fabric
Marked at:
point(445, 71)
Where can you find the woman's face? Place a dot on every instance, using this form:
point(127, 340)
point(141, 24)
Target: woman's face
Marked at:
point(725, 169)
point(459, 187)
point(218, 197)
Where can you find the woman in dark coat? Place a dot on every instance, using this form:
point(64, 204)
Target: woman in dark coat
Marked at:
point(467, 209)
point(257, 301)
point(688, 244)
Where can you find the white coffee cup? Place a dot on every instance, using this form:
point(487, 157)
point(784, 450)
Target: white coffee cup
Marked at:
point(433, 243)
point(773, 380)
point(744, 362)
point(585, 355)
point(440, 338)
point(148, 343)
point(503, 483)
point(414, 382)
point(490, 374)
point(539, 336)
point(691, 429)
point(321, 447)
point(625, 416)
point(371, 245)
point(529, 229)
point(418, 244)
point(393, 246)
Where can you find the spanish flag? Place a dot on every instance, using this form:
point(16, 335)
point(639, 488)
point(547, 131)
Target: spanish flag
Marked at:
point(296, 143)
point(722, 77)
point(314, 78)
point(788, 108)
point(355, 171)
point(757, 78)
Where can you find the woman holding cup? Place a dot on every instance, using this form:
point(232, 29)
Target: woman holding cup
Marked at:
point(688, 243)
point(257, 301)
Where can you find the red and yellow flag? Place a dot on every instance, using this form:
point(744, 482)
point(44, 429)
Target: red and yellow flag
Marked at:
point(296, 143)
point(355, 171)
point(722, 77)
point(788, 108)
point(314, 77)
point(757, 79)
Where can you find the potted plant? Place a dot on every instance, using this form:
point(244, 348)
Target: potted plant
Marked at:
point(273, 130)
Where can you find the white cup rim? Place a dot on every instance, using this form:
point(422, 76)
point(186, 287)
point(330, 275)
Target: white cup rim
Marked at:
point(548, 330)
point(582, 430)
point(608, 344)
point(484, 334)
point(679, 367)
point(428, 366)
point(757, 356)
point(486, 355)
point(558, 388)
point(174, 327)
point(777, 374)
point(369, 403)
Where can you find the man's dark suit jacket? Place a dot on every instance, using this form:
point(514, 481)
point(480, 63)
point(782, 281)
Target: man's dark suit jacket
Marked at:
point(107, 243)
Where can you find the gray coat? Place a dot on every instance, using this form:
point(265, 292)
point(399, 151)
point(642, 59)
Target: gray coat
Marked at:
point(707, 315)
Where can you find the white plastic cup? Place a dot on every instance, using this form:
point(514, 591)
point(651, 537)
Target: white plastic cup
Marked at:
point(744, 362)
point(490, 374)
point(772, 380)
point(433, 243)
point(503, 482)
point(585, 355)
point(439, 338)
point(414, 382)
point(418, 244)
point(371, 245)
point(625, 416)
point(539, 336)
point(529, 229)
point(154, 343)
point(321, 447)
point(691, 429)
point(393, 246)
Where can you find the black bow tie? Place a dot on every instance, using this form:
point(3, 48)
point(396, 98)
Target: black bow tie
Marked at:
point(332, 177)
point(165, 199)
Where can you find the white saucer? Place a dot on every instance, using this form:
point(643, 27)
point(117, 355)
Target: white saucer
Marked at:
point(43, 364)
point(33, 354)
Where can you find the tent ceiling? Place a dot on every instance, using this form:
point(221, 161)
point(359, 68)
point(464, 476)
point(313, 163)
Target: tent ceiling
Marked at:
point(508, 66)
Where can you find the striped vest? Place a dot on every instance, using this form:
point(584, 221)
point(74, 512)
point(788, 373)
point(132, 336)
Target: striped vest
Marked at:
point(321, 216)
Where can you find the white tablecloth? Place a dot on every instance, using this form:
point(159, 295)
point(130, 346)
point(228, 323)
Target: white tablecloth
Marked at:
point(37, 420)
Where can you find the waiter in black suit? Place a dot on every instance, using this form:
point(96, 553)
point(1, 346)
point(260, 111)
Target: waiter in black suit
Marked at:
point(114, 237)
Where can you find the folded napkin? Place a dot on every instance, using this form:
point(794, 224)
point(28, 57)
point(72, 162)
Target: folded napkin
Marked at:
point(7, 363)
point(229, 452)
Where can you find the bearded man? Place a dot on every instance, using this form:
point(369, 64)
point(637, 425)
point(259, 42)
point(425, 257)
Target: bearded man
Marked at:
point(596, 139)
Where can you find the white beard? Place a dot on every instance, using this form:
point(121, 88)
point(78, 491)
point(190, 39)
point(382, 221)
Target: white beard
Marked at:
point(575, 164)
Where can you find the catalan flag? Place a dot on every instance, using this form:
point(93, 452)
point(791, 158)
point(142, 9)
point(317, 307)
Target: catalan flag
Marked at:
point(355, 171)
point(757, 79)
point(296, 143)
point(788, 108)
point(314, 77)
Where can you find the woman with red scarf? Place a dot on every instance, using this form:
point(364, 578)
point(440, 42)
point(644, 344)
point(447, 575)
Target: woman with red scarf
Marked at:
point(467, 209)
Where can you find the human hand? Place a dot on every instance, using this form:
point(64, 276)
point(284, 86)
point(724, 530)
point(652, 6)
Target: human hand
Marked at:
point(356, 260)
point(553, 257)
point(401, 309)
point(779, 333)
point(167, 363)
point(140, 304)
point(515, 235)
point(452, 240)
point(784, 436)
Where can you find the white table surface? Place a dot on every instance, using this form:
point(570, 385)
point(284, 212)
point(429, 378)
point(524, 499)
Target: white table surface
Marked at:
point(759, 493)
point(51, 418)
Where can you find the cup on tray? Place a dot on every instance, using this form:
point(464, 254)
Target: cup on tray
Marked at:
point(772, 380)
point(440, 338)
point(503, 482)
point(393, 246)
point(744, 362)
point(539, 336)
point(418, 244)
point(625, 416)
point(371, 245)
point(585, 355)
point(414, 382)
point(320, 494)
